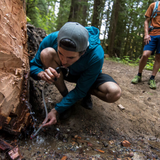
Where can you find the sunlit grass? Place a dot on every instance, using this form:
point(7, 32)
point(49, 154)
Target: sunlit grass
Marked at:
point(134, 62)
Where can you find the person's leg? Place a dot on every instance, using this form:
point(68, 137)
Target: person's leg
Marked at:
point(156, 64)
point(157, 58)
point(108, 92)
point(143, 60)
point(49, 58)
point(142, 64)
point(152, 83)
point(147, 51)
point(106, 88)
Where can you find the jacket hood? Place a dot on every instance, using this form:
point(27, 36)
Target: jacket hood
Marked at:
point(94, 40)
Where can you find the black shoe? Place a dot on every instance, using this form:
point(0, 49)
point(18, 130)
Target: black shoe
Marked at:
point(66, 114)
point(87, 102)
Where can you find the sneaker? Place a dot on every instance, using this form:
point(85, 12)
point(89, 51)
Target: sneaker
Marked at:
point(152, 84)
point(87, 102)
point(136, 79)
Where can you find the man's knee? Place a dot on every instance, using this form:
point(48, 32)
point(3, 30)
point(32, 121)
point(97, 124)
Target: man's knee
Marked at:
point(114, 93)
point(48, 56)
point(47, 53)
point(146, 54)
point(111, 91)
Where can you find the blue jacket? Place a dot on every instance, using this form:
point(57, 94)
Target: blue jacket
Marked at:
point(88, 67)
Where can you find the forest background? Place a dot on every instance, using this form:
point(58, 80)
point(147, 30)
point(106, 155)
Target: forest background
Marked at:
point(121, 22)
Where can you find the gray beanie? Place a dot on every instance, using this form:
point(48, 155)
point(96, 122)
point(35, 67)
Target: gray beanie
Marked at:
point(75, 32)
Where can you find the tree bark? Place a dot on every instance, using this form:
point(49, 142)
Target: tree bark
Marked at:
point(14, 67)
point(113, 27)
point(97, 12)
point(79, 11)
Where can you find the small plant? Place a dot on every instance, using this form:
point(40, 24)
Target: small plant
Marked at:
point(134, 62)
point(28, 19)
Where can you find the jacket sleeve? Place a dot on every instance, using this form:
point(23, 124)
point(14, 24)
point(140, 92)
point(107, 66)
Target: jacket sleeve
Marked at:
point(84, 83)
point(36, 65)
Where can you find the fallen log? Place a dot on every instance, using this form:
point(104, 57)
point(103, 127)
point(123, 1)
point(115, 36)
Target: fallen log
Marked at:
point(4, 145)
point(13, 151)
point(14, 67)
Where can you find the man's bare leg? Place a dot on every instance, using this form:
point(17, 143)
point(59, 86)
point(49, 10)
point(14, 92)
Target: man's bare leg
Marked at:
point(50, 58)
point(143, 60)
point(156, 65)
point(108, 92)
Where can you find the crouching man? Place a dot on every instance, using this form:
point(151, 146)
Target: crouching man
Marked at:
point(76, 49)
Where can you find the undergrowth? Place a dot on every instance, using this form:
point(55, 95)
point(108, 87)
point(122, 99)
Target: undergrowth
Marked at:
point(134, 62)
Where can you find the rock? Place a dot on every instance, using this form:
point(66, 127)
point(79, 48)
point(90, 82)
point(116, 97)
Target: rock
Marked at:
point(131, 154)
point(126, 143)
point(105, 144)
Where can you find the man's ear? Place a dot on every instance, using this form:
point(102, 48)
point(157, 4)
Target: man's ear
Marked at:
point(82, 53)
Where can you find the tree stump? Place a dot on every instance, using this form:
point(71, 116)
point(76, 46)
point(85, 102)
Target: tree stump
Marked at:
point(14, 67)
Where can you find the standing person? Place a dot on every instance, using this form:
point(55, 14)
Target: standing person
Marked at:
point(152, 44)
point(77, 48)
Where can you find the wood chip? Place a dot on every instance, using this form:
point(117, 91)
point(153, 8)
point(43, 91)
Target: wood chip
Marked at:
point(121, 107)
point(64, 158)
point(99, 150)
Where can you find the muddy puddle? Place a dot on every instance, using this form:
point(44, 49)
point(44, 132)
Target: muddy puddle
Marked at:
point(61, 143)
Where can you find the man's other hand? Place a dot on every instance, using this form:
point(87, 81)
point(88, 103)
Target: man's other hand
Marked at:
point(147, 38)
point(49, 75)
point(51, 118)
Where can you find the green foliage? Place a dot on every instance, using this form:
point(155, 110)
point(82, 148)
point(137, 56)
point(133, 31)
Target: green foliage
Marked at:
point(41, 14)
point(63, 13)
point(128, 34)
point(150, 63)
point(28, 19)
point(128, 38)
point(126, 60)
point(135, 62)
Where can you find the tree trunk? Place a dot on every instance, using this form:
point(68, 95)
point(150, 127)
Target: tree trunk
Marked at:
point(97, 12)
point(63, 13)
point(14, 67)
point(79, 11)
point(73, 16)
point(85, 13)
point(113, 27)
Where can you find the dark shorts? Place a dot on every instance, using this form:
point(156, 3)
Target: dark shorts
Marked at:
point(102, 78)
point(153, 45)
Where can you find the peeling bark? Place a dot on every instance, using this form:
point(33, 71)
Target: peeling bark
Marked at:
point(14, 67)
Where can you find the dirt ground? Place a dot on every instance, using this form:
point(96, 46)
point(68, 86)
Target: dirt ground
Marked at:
point(140, 118)
point(141, 115)
point(104, 127)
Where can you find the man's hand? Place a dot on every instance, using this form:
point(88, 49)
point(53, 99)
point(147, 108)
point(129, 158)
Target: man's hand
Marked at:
point(147, 38)
point(51, 118)
point(49, 75)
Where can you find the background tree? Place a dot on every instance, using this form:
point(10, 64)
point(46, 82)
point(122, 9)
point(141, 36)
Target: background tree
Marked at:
point(64, 9)
point(113, 26)
point(78, 9)
point(98, 13)
point(33, 10)
point(121, 22)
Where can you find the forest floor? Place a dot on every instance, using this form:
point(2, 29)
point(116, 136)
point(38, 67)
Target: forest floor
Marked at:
point(98, 133)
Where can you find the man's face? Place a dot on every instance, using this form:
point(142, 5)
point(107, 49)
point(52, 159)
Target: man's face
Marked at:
point(67, 58)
